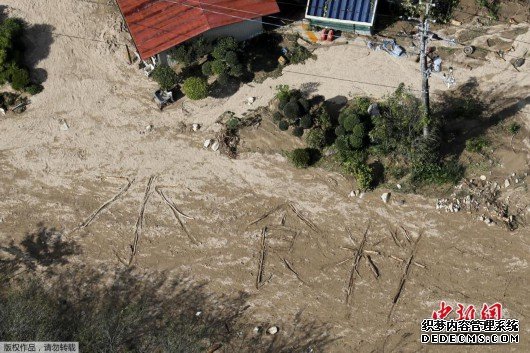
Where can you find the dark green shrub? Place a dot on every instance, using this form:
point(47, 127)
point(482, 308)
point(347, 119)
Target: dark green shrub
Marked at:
point(323, 119)
point(298, 131)
point(223, 79)
point(283, 95)
point(357, 136)
point(276, 117)
point(349, 121)
point(201, 47)
point(300, 157)
point(165, 76)
point(195, 88)
point(233, 123)
point(304, 104)
point(231, 58)
point(182, 54)
point(476, 144)
point(19, 78)
point(342, 144)
point(219, 67)
point(34, 89)
point(306, 122)
point(298, 54)
point(316, 138)
point(339, 131)
point(283, 125)
point(223, 46)
point(437, 173)
point(514, 128)
point(291, 110)
point(206, 69)
point(364, 176)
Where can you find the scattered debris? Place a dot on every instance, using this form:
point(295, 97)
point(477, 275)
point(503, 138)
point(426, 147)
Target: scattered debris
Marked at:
point(163, 98)
point(215, 146)
point(261, 262)
point(385, 197)
point(272, 330)
point(63, 125)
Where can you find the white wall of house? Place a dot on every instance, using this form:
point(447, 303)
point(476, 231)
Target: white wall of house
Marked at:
point(240, 31)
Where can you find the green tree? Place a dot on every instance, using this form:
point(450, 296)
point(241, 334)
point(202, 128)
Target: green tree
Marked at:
point(316, 138)
point(195, 88)
point(165, 76)
point(300, 157)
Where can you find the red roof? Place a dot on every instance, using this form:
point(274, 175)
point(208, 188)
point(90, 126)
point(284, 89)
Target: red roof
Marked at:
point(157, 25)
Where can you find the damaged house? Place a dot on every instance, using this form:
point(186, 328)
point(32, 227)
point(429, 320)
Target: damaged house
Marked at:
point(156, 26)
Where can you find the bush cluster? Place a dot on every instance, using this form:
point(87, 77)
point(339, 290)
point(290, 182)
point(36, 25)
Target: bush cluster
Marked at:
point(300, 157)
point(224, 61)
point(165, 76)
point(12, 68)
point(195, 88)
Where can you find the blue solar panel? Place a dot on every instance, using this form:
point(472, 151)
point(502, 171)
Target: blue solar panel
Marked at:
point(347, 10)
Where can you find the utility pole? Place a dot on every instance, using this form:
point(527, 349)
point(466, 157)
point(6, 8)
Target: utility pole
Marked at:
point(425, 72)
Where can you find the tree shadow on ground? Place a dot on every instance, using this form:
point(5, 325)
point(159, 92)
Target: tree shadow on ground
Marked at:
point(334, 106)
point(43, 248)
point(107, 309)
point(38, 39)
point(261, 54)
point(468, 112)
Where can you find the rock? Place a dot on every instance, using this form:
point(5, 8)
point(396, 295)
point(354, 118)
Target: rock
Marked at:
point(63, 125)
point(272, 330)
point(483, 177)
point(149, 127)
point(361, 195)
point(215, 145)
point(373, 109)
point(506, 183)
point(250, 100)
point(385, 197)
point(400, 202)
point(195, 127)
point(488, 221)
point(352, 194)
point(207, 143)
point(517, 181)
point(398, 186)
point(198, 313)
point(456, 23)
point(513, 175)
point(256, 330)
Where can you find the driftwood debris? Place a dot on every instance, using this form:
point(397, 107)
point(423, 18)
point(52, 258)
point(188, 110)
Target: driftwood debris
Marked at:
point(355, 265)
point(261, 262)
point(405, 275)
point(177, 215)
point(105, 205)
point(290, 268)
point(266, 214)
point(140, 221)
point(393, 234)
point(406, 234)
point(372, 266)
point(303, 218)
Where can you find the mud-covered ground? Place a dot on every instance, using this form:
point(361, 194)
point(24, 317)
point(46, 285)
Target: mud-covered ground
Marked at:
point(60, 179)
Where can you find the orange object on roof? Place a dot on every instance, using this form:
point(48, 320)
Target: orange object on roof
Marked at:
point(157, 25)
